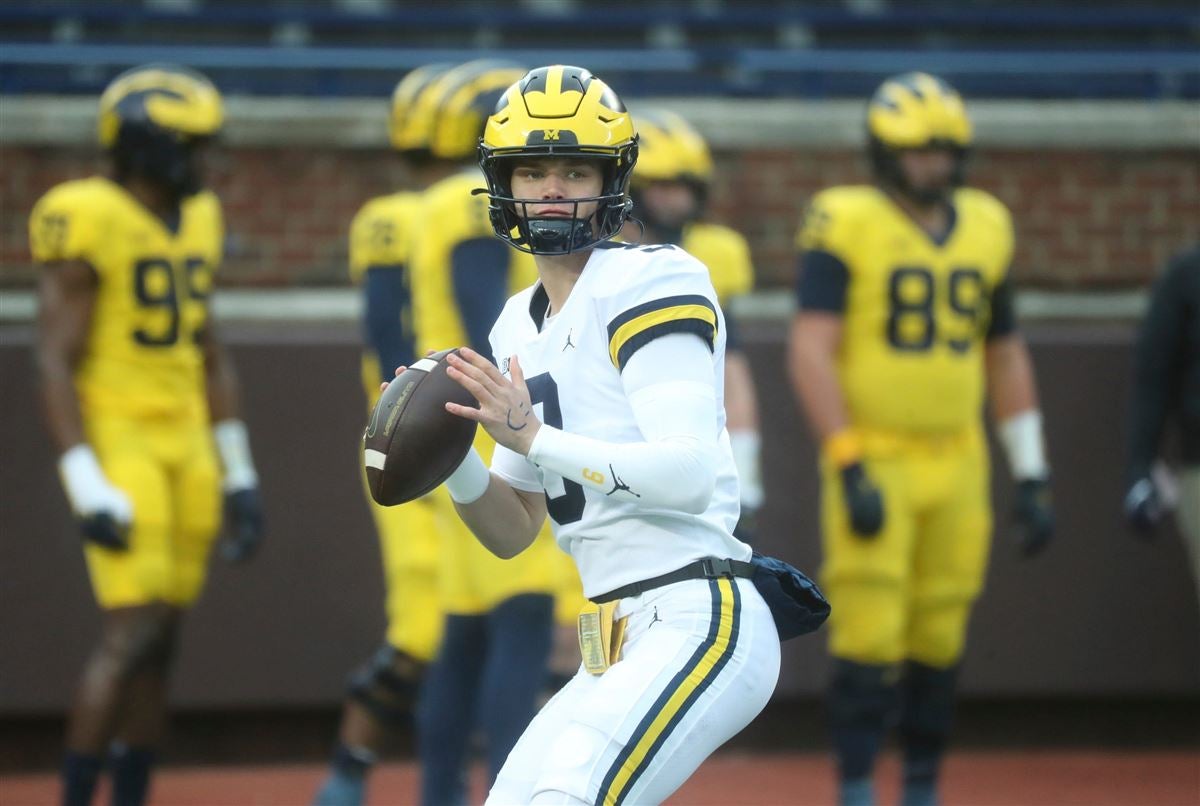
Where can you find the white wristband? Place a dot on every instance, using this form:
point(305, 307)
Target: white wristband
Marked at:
point(1021, 435)
point(87, 488)
point(746, 446)
point(470, 479)
point(233, 444)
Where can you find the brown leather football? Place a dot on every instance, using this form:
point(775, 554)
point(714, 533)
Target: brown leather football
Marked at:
point(412, 444)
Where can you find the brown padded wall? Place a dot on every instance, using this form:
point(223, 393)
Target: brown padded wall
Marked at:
point(1099, 614)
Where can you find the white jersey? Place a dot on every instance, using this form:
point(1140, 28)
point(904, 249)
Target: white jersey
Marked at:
point(626, 297)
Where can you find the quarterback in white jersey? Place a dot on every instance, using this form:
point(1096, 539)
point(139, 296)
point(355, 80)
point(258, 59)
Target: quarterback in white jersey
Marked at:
point(628, 300)
point(607, 413)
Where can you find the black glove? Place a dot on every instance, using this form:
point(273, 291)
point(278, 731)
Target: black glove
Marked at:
point(243, 525)
point(747, 525)
point(1143, 507)
point(104, 530)
point(864, 502)
point(1034, 516)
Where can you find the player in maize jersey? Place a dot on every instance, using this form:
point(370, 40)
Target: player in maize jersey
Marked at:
point(607, 412)
point(382, 694)
point(906, 319)
point(499, 615)
point(141, 400)
point(670, 189)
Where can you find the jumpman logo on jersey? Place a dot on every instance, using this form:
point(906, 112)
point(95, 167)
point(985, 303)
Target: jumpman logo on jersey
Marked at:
point(654, 620)
point(619, 485)
point(569, 342)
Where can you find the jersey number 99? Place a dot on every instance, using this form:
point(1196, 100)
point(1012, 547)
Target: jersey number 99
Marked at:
point(155, 285)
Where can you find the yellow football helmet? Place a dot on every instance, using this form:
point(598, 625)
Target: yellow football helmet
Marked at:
point(465, 109)
point(418, 124)
point(150, 119)
point(670, 150)
point(913, 111)
point(559, 111)
point(409, 134)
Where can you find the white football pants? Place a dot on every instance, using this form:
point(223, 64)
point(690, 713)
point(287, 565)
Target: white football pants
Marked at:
point(700, 661)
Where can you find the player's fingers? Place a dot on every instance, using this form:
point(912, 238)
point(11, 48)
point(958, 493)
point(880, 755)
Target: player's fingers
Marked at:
point(514, 370)
point(481, 392)
point(475, 372)
point(481, 363)
point(486, 369)
point(465, 411)
point(399, 370)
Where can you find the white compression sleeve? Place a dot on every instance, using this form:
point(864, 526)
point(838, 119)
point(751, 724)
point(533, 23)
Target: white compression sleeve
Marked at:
point(470, 479)
point(670, 384)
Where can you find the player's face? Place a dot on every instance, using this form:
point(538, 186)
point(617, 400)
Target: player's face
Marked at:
point(673, 203)
point(929, 171)
point(557, 180)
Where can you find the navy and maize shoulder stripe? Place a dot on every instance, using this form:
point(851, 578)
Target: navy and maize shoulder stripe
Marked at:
point(679, 695)
point(642, 324)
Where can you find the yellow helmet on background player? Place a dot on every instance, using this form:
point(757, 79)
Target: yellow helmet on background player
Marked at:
point(916, 111)
point(419, 123)
point(409, 132)
point(150, 119)
point(559, 111)
point(670, 150)
point(465, 108)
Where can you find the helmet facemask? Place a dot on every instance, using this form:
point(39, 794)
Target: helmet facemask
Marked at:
point(557, 235)
point(165, 158)
point(670, 228)
point(885, 164)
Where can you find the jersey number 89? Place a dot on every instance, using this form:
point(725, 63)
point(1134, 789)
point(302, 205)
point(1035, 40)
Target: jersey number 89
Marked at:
point(912, 293)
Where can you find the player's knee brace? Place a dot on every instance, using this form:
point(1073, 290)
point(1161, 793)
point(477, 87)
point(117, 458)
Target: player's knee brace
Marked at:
point(862, 704)
point(387, 685)
point(927, 712)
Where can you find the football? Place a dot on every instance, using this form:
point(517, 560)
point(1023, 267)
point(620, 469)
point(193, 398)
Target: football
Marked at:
point(411, 443)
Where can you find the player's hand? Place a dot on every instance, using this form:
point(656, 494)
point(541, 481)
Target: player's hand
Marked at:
point(1034, 516)
point(243, 525)
point(400, 371)
point(505, 409)
point(103, 511)
point(105, 529)
point(1143, 507)
point(864, 501)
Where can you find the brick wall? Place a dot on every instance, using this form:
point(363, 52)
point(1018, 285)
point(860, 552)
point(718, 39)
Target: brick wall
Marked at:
point(1085, 219)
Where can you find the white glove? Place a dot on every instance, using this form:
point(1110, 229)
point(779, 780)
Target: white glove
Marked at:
point(104, 511)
